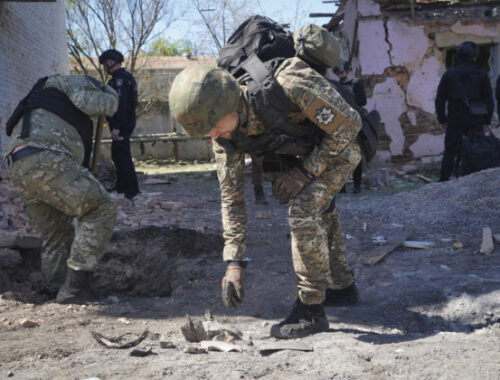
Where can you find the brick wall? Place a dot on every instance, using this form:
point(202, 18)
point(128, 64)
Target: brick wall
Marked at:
point(32, 44)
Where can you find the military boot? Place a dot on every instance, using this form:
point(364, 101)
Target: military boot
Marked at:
point(76, 288)
point(304, 320)
point(342, 297)
point(260, 197)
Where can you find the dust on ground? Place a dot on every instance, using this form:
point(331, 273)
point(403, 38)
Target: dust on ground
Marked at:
point(427, 314)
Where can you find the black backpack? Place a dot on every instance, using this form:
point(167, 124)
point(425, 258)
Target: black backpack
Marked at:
point(478, 152)
point(252, 53)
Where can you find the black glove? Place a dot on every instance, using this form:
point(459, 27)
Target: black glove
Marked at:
point(232, 285)
point(288, 185)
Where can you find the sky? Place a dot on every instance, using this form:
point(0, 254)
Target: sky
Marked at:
point(283, 11)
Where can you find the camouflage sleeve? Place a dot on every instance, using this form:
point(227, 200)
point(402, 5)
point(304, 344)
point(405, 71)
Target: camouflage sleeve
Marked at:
point(324, 106)
point(85, 95)
point(230, 171)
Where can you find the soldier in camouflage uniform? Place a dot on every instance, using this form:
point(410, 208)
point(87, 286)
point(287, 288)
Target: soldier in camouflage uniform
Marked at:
point(46, 169)
point(204, 100)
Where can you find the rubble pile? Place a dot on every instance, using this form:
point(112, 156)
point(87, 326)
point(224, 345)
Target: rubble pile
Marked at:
point(140, 259)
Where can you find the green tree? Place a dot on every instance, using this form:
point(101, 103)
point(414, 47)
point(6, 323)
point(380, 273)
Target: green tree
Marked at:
point(165, 47)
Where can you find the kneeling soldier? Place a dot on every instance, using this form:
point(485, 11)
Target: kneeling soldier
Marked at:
point(48, 152)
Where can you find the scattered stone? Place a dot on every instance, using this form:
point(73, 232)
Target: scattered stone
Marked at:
point(167, 345)
point(487, 245)
point(27, 323)
point(142, 353)
point(193, 331)
point(123, 202)
point(268, 348)
point(123, 320)
point(172, 206)
point(9, 258)
point(458, 244)
point(10, 374)
point(210, 345)
point(195, 350)
point(221, 332)
point(151, 203)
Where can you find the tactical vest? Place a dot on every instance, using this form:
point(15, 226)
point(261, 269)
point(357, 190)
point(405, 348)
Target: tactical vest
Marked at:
point(56, 102)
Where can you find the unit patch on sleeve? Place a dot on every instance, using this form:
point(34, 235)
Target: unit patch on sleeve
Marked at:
point(325, 115)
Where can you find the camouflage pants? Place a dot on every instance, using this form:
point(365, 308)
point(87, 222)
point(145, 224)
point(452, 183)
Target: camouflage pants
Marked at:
point(56, 189)
point(318, 249)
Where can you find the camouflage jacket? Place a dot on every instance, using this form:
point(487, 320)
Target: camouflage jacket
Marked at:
point(50, 132)
point(319, 103)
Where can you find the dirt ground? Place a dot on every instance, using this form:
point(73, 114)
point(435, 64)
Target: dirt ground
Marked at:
point(423, 313)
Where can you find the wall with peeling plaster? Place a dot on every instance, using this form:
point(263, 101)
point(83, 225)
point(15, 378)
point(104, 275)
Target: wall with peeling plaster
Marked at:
point(400, 61)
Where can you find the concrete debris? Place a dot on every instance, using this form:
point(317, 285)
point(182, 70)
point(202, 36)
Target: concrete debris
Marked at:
point(220, 346)
point(193, 332)
point(268, 348)
point(195, 350)
point(123, 320)
point(28, 323)
point(217, 331)
point(173, 206)
point(487, 245)
point(167, 345)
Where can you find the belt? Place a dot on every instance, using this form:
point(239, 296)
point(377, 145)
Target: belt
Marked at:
point(21, 153)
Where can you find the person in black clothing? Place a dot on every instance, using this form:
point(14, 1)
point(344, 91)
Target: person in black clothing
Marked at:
point(356, 88)
point(497, 93)
point(122, 123)
point(461, 85)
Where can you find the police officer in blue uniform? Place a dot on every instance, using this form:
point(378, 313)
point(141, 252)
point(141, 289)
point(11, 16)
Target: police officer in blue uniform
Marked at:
point(122, 123)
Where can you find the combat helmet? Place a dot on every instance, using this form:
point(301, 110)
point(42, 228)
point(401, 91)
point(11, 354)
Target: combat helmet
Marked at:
point(343, 65)
point(200, 96)
point(113, 54)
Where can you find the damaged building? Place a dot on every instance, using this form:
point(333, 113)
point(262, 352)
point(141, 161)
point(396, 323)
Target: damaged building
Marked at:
point(400, 49)
point(32, 44)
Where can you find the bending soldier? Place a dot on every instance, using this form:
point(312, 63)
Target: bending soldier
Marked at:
point(309, 186)
point(49, 149)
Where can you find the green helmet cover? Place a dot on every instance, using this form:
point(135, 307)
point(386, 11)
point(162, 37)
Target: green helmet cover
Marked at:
point(317, 46)
point(200, 96)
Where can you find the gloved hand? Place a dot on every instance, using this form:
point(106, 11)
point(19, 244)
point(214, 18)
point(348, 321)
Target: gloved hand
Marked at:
point(232, 285)
point(288, 185)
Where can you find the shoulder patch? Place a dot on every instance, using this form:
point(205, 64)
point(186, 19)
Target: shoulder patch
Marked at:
point(324, 115)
